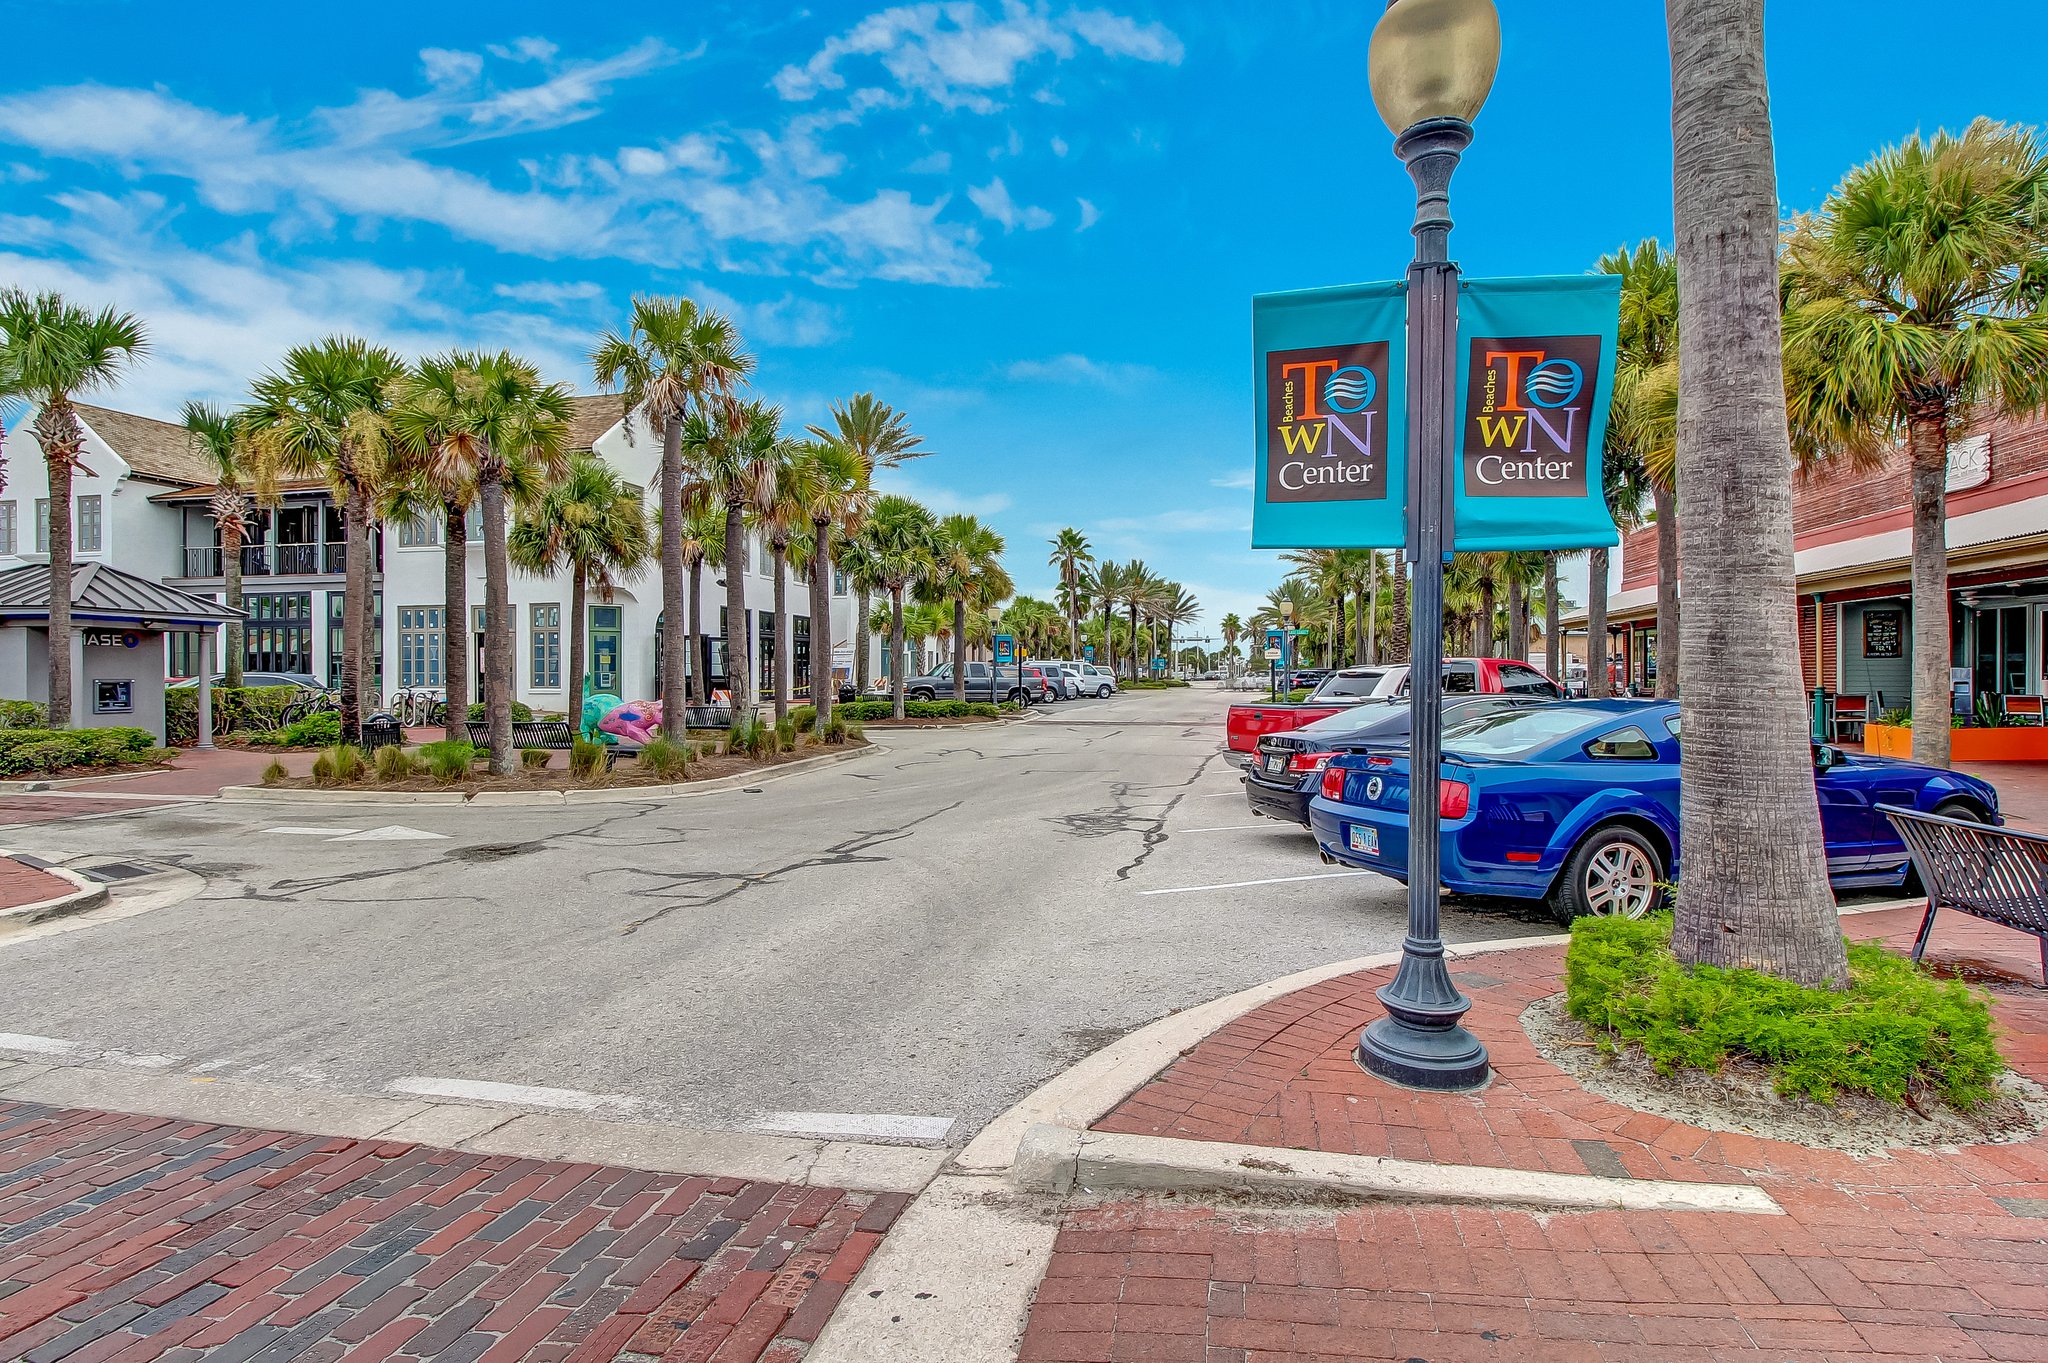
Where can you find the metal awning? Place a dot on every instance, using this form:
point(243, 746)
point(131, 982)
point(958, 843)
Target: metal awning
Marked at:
point(102, 594)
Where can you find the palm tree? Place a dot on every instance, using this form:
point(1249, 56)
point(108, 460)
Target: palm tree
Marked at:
point(703, 541)
point(876, 436)
point(1553, 632)
point(214, 432)
point(967, 570)
point(901, 535)
point(433, 488)
point(1233, 629)
point(733, 455)
point(1177, 607)
point(323, 414)
point(785, 518)
point(1397, 626)
point(52, 352)
point(837, 490)
point(674, 360)
point(1914, 306)
point(487, 415)
point(856, 558)
point(1071, 555)
point(1644, 418)
point(1756, 886)
point(1109, 582)
point(594, 525)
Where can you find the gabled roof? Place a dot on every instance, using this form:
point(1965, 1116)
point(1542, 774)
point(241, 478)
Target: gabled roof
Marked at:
point(100, 592)
point(595, 414)
point(158, 450)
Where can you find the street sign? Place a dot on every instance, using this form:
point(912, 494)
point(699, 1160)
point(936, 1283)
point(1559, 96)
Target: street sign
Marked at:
point(1088, 652)
point(1272, 655)
point(1006, 648)
point(1159, 664)
point(1276, 638)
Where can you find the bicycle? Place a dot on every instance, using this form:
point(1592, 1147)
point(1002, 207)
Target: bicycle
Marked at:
point(417, 706)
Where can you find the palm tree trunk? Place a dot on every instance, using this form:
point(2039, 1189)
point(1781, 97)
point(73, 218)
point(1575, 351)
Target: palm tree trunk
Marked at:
point(1482, 639)
point(1756, 889)
point(1073, 614)
point(231, 570)
point(355, 587)
point(1337, 633)
point(579, 594)
point(676, 654)
point(1397, 629)
point(896, 660)
point(455, 621)
point(1597, 648)
point(779, 552)
point(738, 658)
point(1553, 635)
point(864, 635)
point(822, 682)
point(1927, 447)
point(498, 627)
point(369, 693)
point(61, 454)
point(1108, 644)
point(1666, 501)
point(1135, 673)
point(695, 666)
point(960, 648)
point(1518, 621)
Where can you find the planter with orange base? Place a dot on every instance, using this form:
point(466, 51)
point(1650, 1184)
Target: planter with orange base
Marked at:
point(2016, 743)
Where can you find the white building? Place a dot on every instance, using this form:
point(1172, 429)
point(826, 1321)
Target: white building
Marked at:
point(141, 504)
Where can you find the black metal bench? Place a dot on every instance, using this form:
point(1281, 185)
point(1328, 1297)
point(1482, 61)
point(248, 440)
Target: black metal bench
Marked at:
point(532, 733)
point(1991, 873)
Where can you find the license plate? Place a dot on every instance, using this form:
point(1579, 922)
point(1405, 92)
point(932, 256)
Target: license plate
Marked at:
point(1276, 763)
point(1364, 839)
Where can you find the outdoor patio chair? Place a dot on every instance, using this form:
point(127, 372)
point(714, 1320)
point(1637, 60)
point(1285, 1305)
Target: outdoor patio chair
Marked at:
point(2022, 709)
point(1851, 712)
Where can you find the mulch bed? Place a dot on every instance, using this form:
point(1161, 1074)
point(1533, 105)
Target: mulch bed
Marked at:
point(556, 776)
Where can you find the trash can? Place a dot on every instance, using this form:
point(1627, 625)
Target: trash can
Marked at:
point(382, 730)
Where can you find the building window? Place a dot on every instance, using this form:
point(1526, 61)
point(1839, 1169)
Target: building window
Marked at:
point(838, 583)
point(473, 525)
point(279, 634)
point(419, 646)
point(6, 527)
point(419, 534)
point(42, 525)
point(89, 521)
point(375, 681)
point(547, 648)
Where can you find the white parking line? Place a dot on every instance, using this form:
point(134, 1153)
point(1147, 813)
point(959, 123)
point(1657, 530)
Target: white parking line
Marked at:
point(883, 1125)
point(36, 1045)
point(523, 1095)
point(1233, 827)
point(1276, 880)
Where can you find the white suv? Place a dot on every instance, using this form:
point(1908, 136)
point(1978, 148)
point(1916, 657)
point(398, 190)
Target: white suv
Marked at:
point(1096, 681)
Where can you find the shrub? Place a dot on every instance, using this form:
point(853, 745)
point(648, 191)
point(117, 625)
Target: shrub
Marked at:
point(314, 731)
point(394, 763)
point(836, 728)
point(750, 737)
point(804, 717)
point(535, 759)
point(449, 759)
point(785, 734)
point(274, 773)
point(256, 709)
point(522, 713)
point(588, 761)
point(855, 710)
point(665, 758)
point(160, 757)
point(28, 752)
point(1893, 1029)
point(23, 714)
point(339, 765)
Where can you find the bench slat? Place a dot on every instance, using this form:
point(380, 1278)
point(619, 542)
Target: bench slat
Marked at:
point(1997, 874)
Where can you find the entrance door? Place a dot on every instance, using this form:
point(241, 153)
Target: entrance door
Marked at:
point(604, 649)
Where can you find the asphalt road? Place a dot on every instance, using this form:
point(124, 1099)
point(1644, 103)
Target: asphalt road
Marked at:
point(928, 932)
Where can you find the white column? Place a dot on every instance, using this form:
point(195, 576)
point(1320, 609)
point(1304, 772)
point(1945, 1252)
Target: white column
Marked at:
point(206, 688)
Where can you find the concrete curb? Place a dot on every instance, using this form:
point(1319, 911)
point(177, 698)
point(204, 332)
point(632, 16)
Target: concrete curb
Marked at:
point(1062, 1161)
point(1088, 1090)
point(88, 894)
point(545, 799)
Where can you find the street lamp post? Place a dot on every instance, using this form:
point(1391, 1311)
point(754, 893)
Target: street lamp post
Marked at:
point(1431, 65)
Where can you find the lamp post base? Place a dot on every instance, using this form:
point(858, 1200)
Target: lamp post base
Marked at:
point(1443, 1059)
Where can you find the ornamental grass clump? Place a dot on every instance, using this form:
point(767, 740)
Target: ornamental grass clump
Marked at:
point(449, 759)
point(1893, 1030)
point(535, 759)
point(339, 765)
point(275, 772)
point(393, 763)
point(587, 761)
point(665, 758)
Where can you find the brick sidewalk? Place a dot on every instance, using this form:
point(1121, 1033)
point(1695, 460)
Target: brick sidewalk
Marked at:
point(1923, 1255)
point(128, 1238)
point(21, 885)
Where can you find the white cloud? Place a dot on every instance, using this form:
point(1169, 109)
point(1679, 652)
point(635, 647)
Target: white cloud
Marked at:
point(1076, 369)
point(995, 203)
point(1059, 145)
point(786, 321)
point(960, 57)
point(1233, 480)
point(550, 292)
point(525, 50)
point(944, 501)
point(1090, 215)
point(934, 163)
point(1180, 521)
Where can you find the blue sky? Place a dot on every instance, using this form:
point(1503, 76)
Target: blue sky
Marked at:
point(1033, 227)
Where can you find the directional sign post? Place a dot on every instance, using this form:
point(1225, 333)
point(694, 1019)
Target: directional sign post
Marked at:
point(1006, 652)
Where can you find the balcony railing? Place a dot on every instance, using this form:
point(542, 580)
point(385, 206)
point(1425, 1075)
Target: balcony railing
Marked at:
point(201, 562)
point(298, 558)
point(266, 560)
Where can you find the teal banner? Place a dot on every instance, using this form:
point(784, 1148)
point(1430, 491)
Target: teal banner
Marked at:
point(1535, 375)
point(1332, 446)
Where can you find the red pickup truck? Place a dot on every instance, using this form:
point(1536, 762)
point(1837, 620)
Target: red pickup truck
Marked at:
point(1248, 722)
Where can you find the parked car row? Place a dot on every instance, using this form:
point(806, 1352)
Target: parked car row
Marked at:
point(1573, 803)
point(1035, 683)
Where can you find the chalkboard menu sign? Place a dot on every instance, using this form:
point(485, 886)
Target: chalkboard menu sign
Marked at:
point(1884, 634)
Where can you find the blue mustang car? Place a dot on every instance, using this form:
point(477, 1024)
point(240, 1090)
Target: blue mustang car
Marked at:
point(1577, 804)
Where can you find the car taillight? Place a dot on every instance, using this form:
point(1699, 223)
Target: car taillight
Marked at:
point(1302, 763)
point(1333, 783)
point(1453, 798)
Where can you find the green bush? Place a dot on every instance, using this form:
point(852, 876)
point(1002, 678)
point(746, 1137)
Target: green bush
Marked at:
point(836, 728)
point(535, 759)
point(23, 714)
point(394, 763)
point(450, 759)
point(339, 765)
point(588, 761)
point(34, 752)
point(1157, 684)
point(751, 737)
point(314, 731)
point(1893, 1029)
point(804, 717)
point(522, 713)
point(665, 758)
point(785, 734)
point(274, 773)
point(855, 710)
point(253, 709)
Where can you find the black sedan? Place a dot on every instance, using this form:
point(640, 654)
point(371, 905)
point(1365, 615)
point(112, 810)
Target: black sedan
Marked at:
point(1287, 768)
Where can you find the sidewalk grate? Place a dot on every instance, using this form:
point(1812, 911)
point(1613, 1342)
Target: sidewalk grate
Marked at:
point(117, 870)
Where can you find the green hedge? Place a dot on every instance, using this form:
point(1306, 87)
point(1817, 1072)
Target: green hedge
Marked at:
point(251, 709)
point(320, 730)
point(33, 752)
point(1153, 684)
point(522, 713)
point(806, 717)
point(1894, 1029)
point(24, 714)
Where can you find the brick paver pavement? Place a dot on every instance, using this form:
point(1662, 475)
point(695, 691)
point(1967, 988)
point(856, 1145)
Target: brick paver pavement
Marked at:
point(1939, 1254)
point(21, 885)
point(125, 1238)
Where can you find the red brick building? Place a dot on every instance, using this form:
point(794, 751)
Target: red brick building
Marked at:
point(1853, 539)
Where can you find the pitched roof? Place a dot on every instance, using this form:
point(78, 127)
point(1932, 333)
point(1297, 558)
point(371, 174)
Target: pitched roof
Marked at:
point(100, 591)
point(595, 414)
point(155, 449)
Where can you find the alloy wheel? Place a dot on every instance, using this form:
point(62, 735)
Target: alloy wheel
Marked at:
point(1620, 881)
